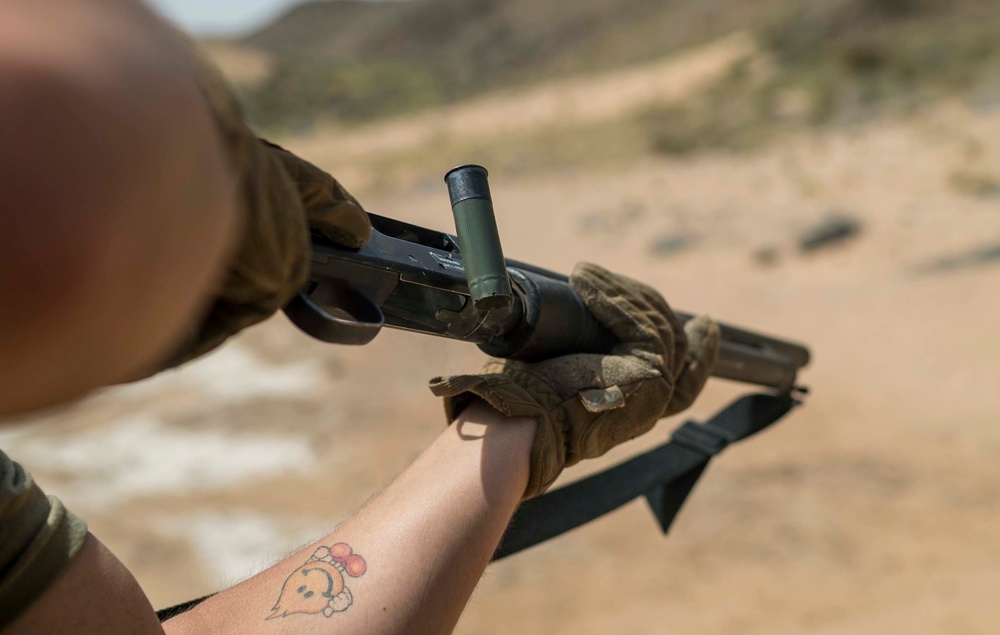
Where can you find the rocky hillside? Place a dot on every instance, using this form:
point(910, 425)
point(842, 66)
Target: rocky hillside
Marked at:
point(361, 60)
point(505, 38)
point(350, 60)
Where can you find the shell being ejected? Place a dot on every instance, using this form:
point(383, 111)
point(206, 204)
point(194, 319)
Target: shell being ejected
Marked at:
point(478, 238)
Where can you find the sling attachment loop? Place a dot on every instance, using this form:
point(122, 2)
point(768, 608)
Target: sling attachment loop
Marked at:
point(704, 438)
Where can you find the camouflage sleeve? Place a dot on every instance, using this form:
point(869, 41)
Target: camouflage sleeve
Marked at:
point(38, 538)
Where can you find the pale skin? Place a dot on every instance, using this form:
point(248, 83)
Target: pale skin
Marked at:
point(426, 541)
point(117, 211)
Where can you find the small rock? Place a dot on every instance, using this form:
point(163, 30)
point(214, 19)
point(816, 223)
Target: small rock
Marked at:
point(632, 211)
point(977, 184)
point(670, 244)
point(986, 101)
point(765, 256)
point(986, 254)
point(592, 222)
point(832, 229)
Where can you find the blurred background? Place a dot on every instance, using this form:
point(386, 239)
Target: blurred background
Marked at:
point(824, 171)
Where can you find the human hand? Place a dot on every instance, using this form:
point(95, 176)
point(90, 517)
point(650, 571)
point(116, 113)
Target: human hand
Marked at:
point(329, 208)
point(284, 198)
point(588, 403)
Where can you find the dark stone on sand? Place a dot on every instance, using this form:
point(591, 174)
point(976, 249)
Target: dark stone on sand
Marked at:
point(668, 244)
point(835, 228)
point(766, 256)
point(987, 254)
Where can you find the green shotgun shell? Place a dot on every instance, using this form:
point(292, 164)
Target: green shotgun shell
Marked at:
point(478, 237)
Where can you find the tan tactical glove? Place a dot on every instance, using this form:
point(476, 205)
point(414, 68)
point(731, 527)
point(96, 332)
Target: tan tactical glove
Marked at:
point(586, 404)
point(283, 198)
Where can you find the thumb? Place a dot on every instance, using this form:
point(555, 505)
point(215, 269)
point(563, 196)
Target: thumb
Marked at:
point(330, 209)
point(703, 351)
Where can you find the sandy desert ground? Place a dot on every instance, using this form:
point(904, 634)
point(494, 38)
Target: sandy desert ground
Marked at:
point(875, 508)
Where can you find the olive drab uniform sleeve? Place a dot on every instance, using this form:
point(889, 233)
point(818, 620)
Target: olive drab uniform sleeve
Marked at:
point(38, 538)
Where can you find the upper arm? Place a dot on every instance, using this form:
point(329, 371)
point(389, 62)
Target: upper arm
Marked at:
point(116, 201)
point(95, 594)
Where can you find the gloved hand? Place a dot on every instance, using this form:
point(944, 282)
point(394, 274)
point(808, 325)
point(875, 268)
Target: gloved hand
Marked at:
point(586, 404)
point(284, 197)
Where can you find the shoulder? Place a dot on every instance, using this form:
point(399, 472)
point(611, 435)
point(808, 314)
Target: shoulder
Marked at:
point(38, 538)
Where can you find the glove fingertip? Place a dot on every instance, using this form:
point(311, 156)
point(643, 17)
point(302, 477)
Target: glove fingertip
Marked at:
point(703, 336)
point(589, 279)
point(451, 386)
point(614, 303)
point(584, 268)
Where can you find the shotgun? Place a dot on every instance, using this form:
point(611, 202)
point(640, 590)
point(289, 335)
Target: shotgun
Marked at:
point(461, 287)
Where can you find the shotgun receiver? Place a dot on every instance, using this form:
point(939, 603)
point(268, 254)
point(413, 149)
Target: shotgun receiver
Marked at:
point(461, 287)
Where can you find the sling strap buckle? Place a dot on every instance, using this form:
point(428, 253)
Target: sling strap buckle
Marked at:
point(702, 437)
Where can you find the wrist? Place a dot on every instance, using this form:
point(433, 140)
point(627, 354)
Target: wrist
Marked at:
point(504, 444)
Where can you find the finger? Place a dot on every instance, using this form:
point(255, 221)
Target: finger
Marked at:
point(344, 222)
point(619, 308)
point(704, 337)
point(670, 328)
point(672, 342)
point(668, 325)
point(330, 208)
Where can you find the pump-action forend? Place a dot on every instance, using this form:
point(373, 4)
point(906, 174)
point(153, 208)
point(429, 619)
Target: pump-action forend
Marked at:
point(461, 287)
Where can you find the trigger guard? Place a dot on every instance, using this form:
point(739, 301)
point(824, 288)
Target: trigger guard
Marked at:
point(307, 311)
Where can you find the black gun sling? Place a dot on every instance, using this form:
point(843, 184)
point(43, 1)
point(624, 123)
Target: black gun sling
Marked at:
point(664, 475)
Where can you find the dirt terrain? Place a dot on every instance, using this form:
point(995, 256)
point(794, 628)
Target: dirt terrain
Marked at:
point(570, 102)
point(875, 508)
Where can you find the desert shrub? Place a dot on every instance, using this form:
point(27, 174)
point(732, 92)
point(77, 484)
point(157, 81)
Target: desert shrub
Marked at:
point(847, 60)
point(300, 91)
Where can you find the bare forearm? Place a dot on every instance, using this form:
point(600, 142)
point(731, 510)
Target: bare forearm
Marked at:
point(116, 200)
point(424, 543)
